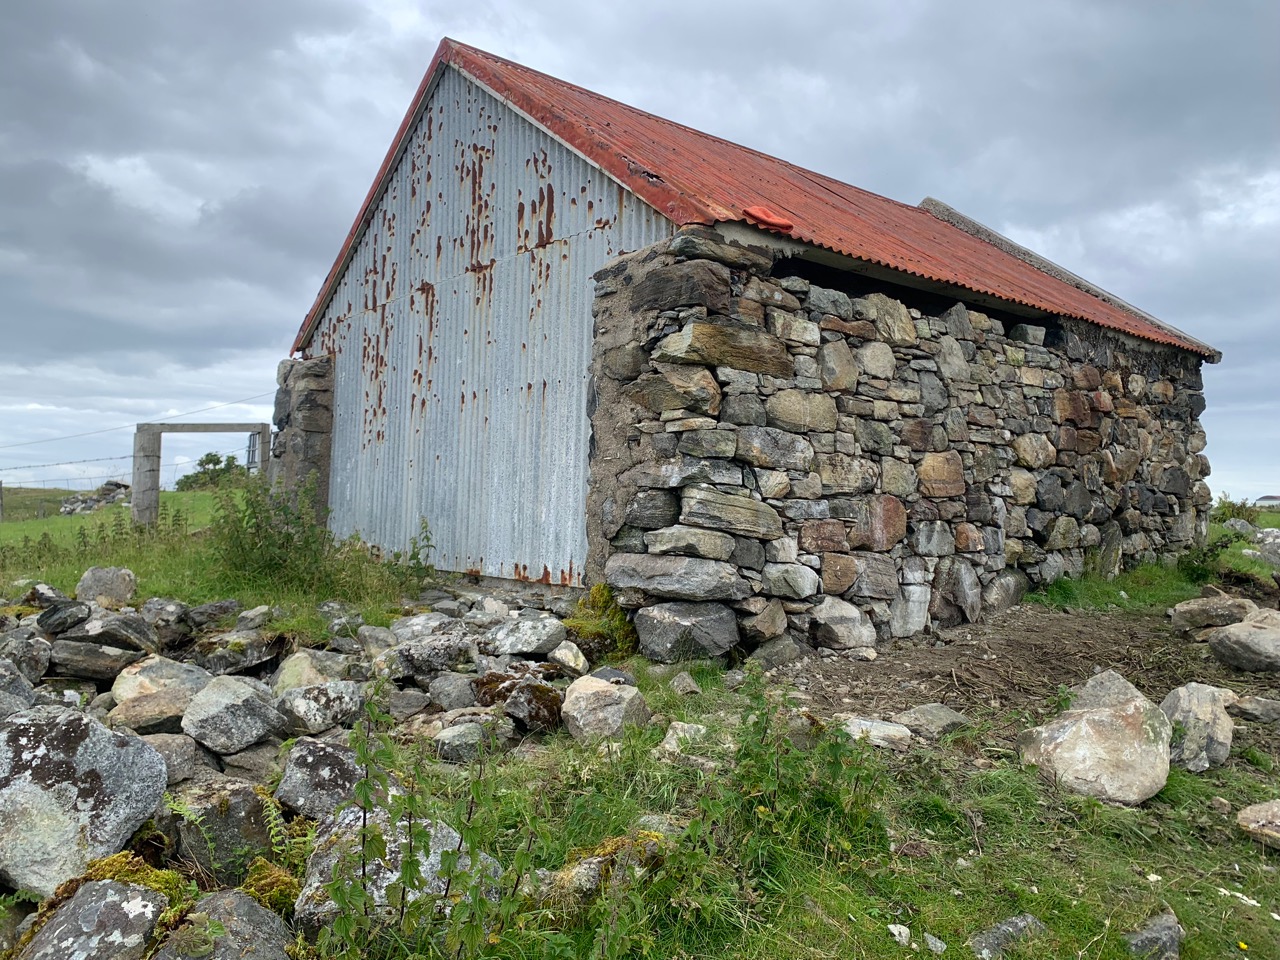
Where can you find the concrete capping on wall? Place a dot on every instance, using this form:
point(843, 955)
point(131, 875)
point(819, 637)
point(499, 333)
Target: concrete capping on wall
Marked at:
point(846, 470)
point(301, 448)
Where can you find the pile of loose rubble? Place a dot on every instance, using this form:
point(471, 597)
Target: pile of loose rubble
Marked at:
point(113, 491)
point(174, 716)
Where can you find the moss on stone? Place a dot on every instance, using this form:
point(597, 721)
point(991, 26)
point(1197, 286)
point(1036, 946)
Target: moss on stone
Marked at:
point(272, 886)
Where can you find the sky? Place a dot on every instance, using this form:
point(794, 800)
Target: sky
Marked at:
point(176, 178)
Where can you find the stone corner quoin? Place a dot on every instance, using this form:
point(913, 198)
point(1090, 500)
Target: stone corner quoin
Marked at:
point(762, 443)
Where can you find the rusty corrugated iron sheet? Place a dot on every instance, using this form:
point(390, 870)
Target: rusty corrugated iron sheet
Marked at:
point(693, 177)
point(461, 331)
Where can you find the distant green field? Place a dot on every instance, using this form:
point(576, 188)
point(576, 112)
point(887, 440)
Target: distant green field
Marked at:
point(22, 520)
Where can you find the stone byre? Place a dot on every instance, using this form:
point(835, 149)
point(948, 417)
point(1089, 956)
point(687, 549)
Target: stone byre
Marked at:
point(334, 843)
point(596, 709)
point(103, 920)
point(670, 632)
point(71, 791)
point(1113, 744)
point(1262, 822)
point(1202, 727)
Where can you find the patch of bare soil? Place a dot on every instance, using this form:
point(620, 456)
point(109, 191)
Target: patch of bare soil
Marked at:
point(1015, 664)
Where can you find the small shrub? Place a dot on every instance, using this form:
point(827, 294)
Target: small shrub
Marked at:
point(1227, 509)
point(1203, 563)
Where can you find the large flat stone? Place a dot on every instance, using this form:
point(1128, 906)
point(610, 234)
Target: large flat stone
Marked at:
point(680, 578)
point(670, 632)
point(706, 507)
point(742, 348)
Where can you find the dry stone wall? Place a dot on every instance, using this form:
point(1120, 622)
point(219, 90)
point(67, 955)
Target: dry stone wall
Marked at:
point(303, 441)
point(848, 469)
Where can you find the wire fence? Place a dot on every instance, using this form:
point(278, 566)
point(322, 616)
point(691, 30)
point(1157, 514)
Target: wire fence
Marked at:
point(42, 497)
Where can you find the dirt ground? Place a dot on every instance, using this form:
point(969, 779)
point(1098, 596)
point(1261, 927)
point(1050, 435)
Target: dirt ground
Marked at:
point(998, 671)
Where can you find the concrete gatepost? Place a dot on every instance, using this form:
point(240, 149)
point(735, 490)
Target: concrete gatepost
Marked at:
point(146, 459)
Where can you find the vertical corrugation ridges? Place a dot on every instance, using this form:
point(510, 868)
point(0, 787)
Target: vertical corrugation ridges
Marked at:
point(473, 283)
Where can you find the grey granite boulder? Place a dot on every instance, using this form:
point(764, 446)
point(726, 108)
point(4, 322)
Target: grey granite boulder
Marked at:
point(669, 632)
point(235, 652)
point(1160, 938)
point(1253, 645)
point(931, 720)
point(992, 943)
point(109, 586)
point(317, 777)
point(320, 706)
point(221, 824)
point(1113, 744)
point(230, 714)
point(70, 791)
point(594, 708)
point(103, 920)
point(525, 636)
point(1202, 727)
point(126, 630)
point(250, 931)
point(27, 651)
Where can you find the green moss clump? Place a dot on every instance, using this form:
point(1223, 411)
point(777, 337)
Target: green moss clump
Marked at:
point(601, 626)
point(272, 886)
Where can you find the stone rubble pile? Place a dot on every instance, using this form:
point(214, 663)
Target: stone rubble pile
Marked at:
point(782, 461)
point(112, 716)
point(113, 491)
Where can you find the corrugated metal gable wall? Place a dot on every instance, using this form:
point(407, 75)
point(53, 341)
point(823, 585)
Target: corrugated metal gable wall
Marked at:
point(461, 332)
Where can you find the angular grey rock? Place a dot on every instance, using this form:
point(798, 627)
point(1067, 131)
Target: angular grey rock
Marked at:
point(1201, 612)
point(595, 708)
point(209, 614)
point(1262, 822)
point(62, 616)
point(569, 658)
point(1117, 750)
point(460, 743)
point(794, 581)
point(426, 656)
point(1160, 938)
point(652, 509)
point(155, 673)
point(991, 944)
point(878, 733)
point(159, 712)
point(221, 824)
point(876, 360)
point(909, 611)
point(680, 578)
point(182, 755)
point(1006, 590)
point(1104, 689)
point(775, 653)
point(375, 640)
point(1256, 709)
point(127, 631)
point(9, 705)
point(691, 542)
point(933, 538)
point(171, 620)
point(307, 668)
point(684, 685)
point(957, 592)
point(773, 448)
point(318, 776)
point(235, 652)
point(71, 791)
point(252, 932)
point(452, 691)
point(14, 684)
point(1253, 646)
point(403, 704)
point(931, 721)
point(103, 920)
point(90, 661)
point(320, 706)
point(260, 763)
point(335, 841)
point(670, 632)
point(255, 619)
point(524, 636)
point(707, 507)
point(27, 651)
point(1201, 724)
point(230, 714)
point(109, 586)
point(839, 625)
point(421, 625)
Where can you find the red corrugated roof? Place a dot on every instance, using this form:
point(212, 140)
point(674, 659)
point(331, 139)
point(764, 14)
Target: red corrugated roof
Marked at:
point(692, 177)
